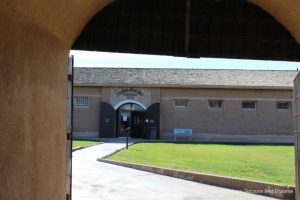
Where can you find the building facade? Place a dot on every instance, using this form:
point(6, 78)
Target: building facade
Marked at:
point(243, 105)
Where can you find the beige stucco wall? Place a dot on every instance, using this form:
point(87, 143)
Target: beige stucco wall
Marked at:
point(231, 120)
point(287, 12)
point(36, 36)
point(86, 118)
point(155, 95)
point(33, 101)
point(106, 92)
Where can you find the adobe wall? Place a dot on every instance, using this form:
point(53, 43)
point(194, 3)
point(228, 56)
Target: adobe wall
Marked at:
point(32, 113)
point(232, 119)
point(36, 37)
point(86, 119)
point(286, 12)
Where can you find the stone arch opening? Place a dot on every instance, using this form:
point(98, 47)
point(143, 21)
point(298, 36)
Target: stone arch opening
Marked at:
point(116, 107)
point(221, 29)
point(130, 120)
point(35, 43)
point(289, 22)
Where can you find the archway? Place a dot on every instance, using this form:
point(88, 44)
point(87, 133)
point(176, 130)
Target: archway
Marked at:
point(129, 102)
point(132, 45)
point(35, 43)
point(130, 121)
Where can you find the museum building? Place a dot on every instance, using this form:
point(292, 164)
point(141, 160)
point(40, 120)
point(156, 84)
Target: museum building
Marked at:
point(210, 105)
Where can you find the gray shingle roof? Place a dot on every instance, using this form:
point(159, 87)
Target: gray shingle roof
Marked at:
point(196, 78)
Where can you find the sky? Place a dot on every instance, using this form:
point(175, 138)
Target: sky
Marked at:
point(105, 59)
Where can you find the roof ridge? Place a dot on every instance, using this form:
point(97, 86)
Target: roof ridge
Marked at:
point(202, 69)
point(161, 77)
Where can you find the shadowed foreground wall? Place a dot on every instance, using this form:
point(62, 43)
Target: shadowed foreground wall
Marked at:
point(33, 107)
point(35, 40)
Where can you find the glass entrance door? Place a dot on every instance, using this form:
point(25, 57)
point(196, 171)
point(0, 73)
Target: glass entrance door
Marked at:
point(137, 124)
point(124, 123)
point(130, 121)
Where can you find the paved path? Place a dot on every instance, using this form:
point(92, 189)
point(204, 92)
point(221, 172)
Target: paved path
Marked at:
point(93, 180)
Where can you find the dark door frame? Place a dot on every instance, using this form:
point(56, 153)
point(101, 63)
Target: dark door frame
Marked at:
point(118, 117)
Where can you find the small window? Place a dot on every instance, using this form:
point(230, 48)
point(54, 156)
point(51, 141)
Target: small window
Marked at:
point(181, 103)
point(283, 106)
point(81, 101)
point(215, 104)
point(249, 105)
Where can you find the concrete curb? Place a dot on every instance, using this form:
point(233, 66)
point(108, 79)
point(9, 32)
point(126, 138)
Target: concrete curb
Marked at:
point(80, 147)
point(116, 151)
point(254, 187)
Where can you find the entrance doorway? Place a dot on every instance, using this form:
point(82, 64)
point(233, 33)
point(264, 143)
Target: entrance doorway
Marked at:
point(130, 123)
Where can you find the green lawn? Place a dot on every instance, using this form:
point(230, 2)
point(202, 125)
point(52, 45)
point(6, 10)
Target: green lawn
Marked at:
point(83, 143)
point(268, 163)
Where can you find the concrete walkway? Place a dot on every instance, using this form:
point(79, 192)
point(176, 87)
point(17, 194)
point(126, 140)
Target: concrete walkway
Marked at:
point(93, 180)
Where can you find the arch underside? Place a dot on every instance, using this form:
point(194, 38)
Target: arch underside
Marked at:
point(224, 29)
point(129, 102)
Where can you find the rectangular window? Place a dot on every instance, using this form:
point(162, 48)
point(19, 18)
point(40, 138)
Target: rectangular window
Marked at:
point(249, 105)
point(181, 103)
point(81, 101)
point(215, 104)
point(283, 106)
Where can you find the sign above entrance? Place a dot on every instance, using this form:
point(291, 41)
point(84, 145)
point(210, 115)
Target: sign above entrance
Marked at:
point(130, 93)
point(140, 95)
